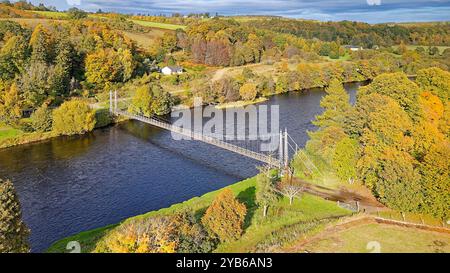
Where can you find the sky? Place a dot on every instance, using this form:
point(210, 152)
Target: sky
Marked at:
point(371, 11)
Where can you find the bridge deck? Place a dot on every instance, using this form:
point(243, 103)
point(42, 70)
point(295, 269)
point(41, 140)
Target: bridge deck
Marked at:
point(207, 139)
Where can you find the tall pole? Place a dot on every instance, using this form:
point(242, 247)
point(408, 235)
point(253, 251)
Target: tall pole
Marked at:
point(286, 149)
point(280, 149)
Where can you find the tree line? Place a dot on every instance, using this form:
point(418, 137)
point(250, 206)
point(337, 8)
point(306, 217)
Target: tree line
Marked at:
point(394, 140)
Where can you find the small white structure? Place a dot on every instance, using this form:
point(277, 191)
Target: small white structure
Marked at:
point(354, 48)
point(170, 70)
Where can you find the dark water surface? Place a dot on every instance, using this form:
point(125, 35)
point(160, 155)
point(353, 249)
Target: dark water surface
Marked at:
point(72, 184)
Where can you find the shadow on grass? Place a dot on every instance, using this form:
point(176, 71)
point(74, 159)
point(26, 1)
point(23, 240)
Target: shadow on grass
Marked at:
point(248, 197)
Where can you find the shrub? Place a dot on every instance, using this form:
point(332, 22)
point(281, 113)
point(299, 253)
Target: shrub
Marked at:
point(102, 118)
point(41, 119)
point(225, 217)
point(162, 234)
point(73, 117)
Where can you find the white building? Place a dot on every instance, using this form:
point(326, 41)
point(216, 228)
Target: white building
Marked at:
point(354, 48)
point(170, 70)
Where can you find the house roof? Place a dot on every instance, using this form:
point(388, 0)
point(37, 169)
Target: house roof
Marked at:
point(174, 68)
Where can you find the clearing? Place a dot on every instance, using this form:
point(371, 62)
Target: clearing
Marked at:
point(366, 235)
point(158, 25)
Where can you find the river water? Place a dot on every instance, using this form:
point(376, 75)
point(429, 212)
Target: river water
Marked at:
point(72, 184)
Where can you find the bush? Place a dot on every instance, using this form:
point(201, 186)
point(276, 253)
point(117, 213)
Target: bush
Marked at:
point(41, 119)
point(102, 118)
point(73, 117)
point(163, 234)
point(225, 217)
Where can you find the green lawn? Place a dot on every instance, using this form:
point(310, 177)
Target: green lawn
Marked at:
point(9, 132)
point(281, 215)
point(158, 25)
point(390, 239)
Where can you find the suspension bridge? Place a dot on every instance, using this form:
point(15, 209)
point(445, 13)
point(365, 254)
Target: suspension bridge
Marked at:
point(279, 159)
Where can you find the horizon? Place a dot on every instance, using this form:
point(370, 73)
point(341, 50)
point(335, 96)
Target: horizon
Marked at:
point(369, 11)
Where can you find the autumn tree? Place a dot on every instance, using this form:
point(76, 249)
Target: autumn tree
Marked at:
point(73, 117)
point(180, 233)
point(398, 87)
point(41, 119)
point(248, 91)
point(436, 81)
point(108, 65)
point(13, 232)
point(10, 105)
point(225, 216)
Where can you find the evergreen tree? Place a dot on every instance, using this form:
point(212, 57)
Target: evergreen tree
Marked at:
point(13, 232)
point(336, 105)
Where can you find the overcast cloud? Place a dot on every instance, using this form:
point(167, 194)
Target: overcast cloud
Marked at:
point(372, 11)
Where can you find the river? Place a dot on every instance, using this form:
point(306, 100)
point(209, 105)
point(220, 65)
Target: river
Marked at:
point(71, 184)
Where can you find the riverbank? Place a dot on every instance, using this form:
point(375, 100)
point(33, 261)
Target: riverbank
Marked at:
point(8, 140)
point(306, 214)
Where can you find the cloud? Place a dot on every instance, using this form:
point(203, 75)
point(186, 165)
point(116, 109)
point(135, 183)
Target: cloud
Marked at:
point(358, 10)
point(74, 2)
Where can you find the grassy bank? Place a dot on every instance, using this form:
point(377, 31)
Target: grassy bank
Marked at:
point(10, 137)
point(258, 230)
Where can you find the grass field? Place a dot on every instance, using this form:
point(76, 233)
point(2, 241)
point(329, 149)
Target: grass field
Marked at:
point(390, 239)
point(158, 25)
point(9, 132)
point(145, 40)
point(308, 209)
point(52, 14)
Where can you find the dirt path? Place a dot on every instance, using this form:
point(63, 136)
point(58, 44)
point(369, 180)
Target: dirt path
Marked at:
point(366, 201)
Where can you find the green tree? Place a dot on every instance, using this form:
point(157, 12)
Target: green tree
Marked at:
point(75, 13)
point(73, 117)
point(41, 119)
point(265, 190)
point(345, 158)
point(40, 45)
point(225, 217)
point(435, 171)
point(13, 232)
point(141, 103)
point(336, 105)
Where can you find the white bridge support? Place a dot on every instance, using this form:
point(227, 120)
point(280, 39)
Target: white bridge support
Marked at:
point(281, 162)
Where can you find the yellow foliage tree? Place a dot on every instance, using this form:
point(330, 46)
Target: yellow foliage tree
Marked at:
point(248, 91)
point(225, 217)
point(73, 117)
point(10, 105)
